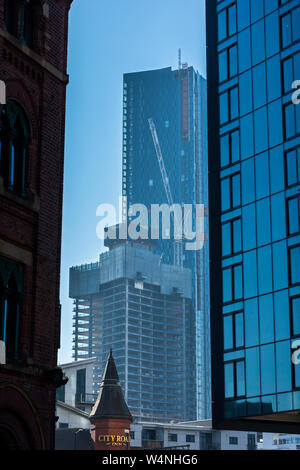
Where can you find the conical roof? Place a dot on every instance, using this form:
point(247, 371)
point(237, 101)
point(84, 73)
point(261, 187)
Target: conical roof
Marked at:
point(110, 403)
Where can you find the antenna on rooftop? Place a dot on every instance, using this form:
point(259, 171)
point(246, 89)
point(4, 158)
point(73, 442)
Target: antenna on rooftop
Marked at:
point(179, 59)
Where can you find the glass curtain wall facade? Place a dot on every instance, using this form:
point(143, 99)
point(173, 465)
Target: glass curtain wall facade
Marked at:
point(176, 102)
point(254, 147)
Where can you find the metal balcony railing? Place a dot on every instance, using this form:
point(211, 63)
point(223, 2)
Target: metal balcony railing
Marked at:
point(85, 398)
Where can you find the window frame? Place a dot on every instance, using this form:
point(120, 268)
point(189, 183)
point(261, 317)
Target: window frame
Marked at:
point(231, 224)
point(232, 268)
point(226, 10)
point(297, 150)
point(233, 316)
point(290, 248)
point(230, 178)
point(297, 197)
point(234, 363)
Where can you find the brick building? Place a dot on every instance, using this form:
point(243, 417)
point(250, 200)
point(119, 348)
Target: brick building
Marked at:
point(33, 59)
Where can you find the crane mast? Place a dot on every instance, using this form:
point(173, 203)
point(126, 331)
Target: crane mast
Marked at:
point(178, 251)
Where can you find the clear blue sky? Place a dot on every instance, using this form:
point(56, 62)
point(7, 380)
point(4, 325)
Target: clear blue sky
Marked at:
point(106, 39)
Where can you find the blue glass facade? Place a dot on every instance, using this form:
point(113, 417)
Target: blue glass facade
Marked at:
point(254, 148)
point(176, 102)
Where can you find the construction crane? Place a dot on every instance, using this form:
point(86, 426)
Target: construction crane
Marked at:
point(178, 251)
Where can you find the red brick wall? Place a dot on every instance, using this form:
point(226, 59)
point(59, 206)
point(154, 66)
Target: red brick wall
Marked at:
point(35, 226)
point(103, 430)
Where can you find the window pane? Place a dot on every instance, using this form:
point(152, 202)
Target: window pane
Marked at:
point(257, 10)
point(259, 85)
point(252, 372)
point(250, 274)
point(240, 378)
point(237, 238)
point(280, 265)
point(222, 25)
point(224, 112)
point(282, 315)
point(239, 330)
point(12, 166)
point(233, 61)
point(296, 315)
point(258, 42)
point(251, 323)
point(283, 366)
point(226, 239)
point(295, 264)
point(232, 20)
point(286, 29)
point(263, 222)
point(267, 369)
point(288, 75)
point(291, 167)
point(295, 24)
point(249, 227)
point(225, 150)
point(234, 103)
point(248, 181)
point(228, 333)
point(262, 175)
point(235, 146)
point(293, 215)
point(236, 191)
point(266, 319)
point(261, 130)
point(264, 270)
point(229, 381)
point(227, 285)
point(238, 282)
point(290, 123)
point(223, 73)
point(225, 194)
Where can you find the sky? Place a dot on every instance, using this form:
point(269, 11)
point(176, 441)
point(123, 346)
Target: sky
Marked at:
point(108, 38)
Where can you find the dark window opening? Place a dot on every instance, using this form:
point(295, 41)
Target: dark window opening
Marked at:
point(80, 385)
point(12, 16)
point(20, 19)
point(28, 24)
point(10, 302)
point(14, 138)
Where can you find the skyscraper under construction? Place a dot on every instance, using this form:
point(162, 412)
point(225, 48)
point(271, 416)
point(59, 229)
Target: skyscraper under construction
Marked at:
point(165, 162)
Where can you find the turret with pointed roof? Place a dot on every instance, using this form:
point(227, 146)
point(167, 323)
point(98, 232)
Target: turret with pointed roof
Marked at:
point(110, 416)
point(110, 402)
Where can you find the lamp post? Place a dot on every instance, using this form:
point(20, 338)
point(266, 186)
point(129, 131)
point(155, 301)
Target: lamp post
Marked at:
point(127, 434)
point(75, 437)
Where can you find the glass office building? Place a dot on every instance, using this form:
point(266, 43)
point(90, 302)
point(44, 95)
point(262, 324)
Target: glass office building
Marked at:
point(254, 166)
point(175, 100)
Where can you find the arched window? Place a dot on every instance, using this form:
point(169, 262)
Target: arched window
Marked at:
point(20, 19)
point(10, 302)
point(14, 138)
point(12, 16)
point(28, 17)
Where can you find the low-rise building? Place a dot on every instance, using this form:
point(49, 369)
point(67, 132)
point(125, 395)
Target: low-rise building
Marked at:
point(77, 394)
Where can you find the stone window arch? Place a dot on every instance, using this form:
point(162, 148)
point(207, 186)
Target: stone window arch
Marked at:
point(22, 20)
point(14, 140)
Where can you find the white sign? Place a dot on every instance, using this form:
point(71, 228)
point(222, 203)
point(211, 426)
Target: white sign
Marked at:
point(2, 92)
point(2, 353)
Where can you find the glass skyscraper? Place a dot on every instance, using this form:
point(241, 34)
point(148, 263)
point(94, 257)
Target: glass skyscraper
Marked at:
point(253, 59)
point(175, 101)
